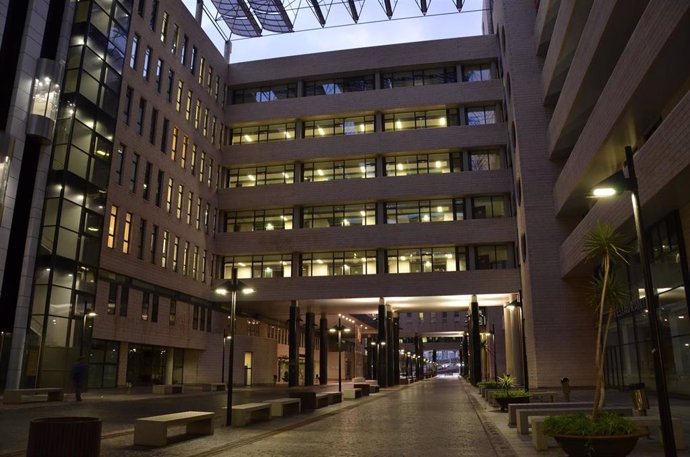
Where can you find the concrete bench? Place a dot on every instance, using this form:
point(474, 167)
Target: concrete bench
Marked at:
point(366, 388)
point(523, 415)
point(653, 421)
point(167, 389)
point(359, 379)
point(310, 399)
point(334, 397)
point(543, 396)
point(283, 406)
point(15, 396)
point(250, 412)
point(153, 431)
point(213, 387)
point(374, 388)
point(352, 394)
point(513, 408)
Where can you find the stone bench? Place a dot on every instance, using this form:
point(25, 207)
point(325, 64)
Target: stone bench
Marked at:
point(310, 399)
point(283, 406)
point(359, 379)
point(250, 412)
point(352, 394)
point(366, 388)
point(653, 421)
point(213, 387)
point(334, 397)
point(15, 396)
point(167, 389)
point(523, 415)
point(513, 408)
point(153, 431)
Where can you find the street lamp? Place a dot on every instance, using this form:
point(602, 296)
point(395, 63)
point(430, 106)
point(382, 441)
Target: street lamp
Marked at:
point(610, 187)
point(83, 331)
point(340, 328)
point(231, 287)
point(222, 365)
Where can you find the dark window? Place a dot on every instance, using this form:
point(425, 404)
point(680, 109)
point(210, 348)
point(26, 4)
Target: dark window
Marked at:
point(154, 243)
point(141, 7)
point(209, 317)
point(159, 188)
point(142, 239)
point(145, 306)
point(195, 318)
point(173, 311)
point(154, 308)
point(159, 73)
point(112, 298)
point(124, 300)
point(133, 173)
point(479, 72)
point(153, 125)
point(154, 14)
point(171, 82)
point(147, 180)
point(128, 105)
point(492, 257)
point(164, 135)
point(119, 162)
point(140, 117)
point(202, 319)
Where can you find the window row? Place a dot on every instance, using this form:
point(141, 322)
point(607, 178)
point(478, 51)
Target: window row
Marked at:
point(121, 297)
point(154, 186)
point(361, 125)
point(438, 210)
point(366, 82)
point(364, 262)
point(398, 165)
point(156, 245)
point(180, 47)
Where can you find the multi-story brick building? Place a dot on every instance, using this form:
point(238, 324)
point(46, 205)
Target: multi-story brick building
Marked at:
point(387, 181)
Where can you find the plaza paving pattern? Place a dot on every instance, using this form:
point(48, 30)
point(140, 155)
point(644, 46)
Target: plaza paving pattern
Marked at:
point(436, 417)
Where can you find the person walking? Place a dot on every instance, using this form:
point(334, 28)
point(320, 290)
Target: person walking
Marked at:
point(80, 371)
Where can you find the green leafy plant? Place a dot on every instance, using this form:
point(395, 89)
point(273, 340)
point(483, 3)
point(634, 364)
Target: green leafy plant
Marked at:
point(507, 383)
point(606, 247)
point(606, 424)
point(489, 384)
point(511, 393)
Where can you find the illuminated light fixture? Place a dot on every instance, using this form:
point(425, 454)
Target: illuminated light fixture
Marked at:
point(361, 127)
point(101, 153)
point(269, 226)
point(287, 134)
point(427, 263)
point(604, 192)
point(439, 209)
point(283, 218)
point(363, 168)
point(92, 229)
point(346, 223)
point(248, 139)
point(438, 164)
point(400, 167)
point(248, 290)
point(449, 256)
point(346, 267)
point(426, 218)
point(319, 261)
point(681, 317)
point(362, 213)
point(319, 172)
point(398, 125)
point(268, 269)
point(321, 132)
point(443, 121)
point(285, 174)
point(242, 264)
point(251, 177)
point(403, 258)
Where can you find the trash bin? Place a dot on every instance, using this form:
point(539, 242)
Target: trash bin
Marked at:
point(72, 436)
point(639, 398)
point(565, 387)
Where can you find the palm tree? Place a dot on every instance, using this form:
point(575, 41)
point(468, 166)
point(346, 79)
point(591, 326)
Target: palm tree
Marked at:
point(608, 248)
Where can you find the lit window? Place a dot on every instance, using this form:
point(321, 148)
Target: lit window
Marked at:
point(112, 227)
point(126, 236)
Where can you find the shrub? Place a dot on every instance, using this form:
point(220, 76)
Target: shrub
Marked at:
point(607, 424)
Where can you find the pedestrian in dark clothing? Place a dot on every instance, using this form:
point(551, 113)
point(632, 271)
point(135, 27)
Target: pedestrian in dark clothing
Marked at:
point(80, 370)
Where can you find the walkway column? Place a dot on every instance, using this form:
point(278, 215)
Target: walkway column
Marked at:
point(169, 358)
point(396, 349)
point(390, 348)
point(475, 343)
point(381, 353)
point(309, 350)
point(323, 350)
point(510, 349)
point(293, 345)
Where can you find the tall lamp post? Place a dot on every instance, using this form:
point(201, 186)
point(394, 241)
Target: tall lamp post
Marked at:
point(339, 329)
point(610, 187)
point(83, 331)
point(222, 364)
point(231, 287)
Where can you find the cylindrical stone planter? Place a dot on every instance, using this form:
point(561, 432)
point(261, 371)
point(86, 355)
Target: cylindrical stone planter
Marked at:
point(68, 436)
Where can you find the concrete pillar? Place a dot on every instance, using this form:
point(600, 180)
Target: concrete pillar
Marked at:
point(396, 349)
point(227, 51)
point(390, 348)
point(169, 358)
point(516, 317)
point(475, 343)
point(381, 353)
point(293, 345)
point(509, 329)
point(309, 350)
point(323, 350)
point(199, 11)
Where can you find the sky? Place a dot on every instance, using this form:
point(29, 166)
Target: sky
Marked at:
point(441, 21)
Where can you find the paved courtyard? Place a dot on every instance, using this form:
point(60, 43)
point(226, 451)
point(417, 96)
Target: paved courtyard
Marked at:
point(437, 417)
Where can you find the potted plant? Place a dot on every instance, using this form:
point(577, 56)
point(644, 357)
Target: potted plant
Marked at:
point(509, 394)
point(600, 433)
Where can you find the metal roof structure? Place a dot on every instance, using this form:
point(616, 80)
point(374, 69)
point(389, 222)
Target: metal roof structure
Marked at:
point(250, 18)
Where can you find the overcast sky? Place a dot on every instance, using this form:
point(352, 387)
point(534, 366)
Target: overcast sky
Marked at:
point(442, 21)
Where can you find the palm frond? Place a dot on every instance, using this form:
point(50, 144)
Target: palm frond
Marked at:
point(604, 242)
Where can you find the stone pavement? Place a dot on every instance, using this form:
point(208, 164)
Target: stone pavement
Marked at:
point(437, 417)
